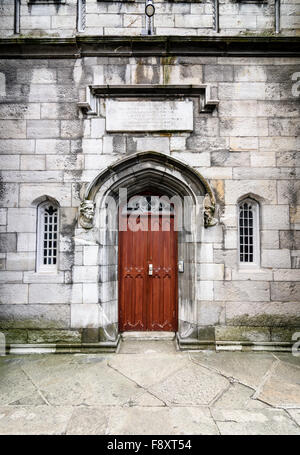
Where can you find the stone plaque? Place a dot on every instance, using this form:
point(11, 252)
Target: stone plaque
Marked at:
point(149, 115)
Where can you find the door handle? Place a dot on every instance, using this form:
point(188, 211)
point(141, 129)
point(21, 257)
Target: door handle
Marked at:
point(150, 270)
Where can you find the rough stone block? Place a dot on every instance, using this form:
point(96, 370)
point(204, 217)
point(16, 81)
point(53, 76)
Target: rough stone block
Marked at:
point(210, 272)
point(52, 146)
point(84, 316)
point(205, 290)
point(269, 239)
point(211, 313)
point(9, 162)
point(90, 292)
point(235, 189)
point(18, 146)
point(13, 129)
point(261, 159)
point(286, 275)
point(20, 261)
point(8, 242)
point(205, 253)
point(3, 217)
point(252, 291)
point(289, 239)
point(283, 334)
point(85, 274)
point(193, 159)
point(35, 316)
point(275, 217)
point(38, 129)
point(276, 258)
point(21, 220)
point(11, 294)
point(263, 314)
point(33, 162)
point(29, 193)
point(255, 334)
point(11, 277)
point(26, 241)
point(54, 293)
point(252, 275)
point(54, 336)
point(285, 291)
point(114, 144)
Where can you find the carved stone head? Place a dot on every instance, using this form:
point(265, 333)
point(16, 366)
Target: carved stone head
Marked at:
point(209, 210)
point(86, 214)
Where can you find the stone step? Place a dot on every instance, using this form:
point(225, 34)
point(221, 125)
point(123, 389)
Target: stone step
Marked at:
point(148, 336)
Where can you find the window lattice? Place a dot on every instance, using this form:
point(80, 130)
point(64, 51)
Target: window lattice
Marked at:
point(49, 218)
point(246, 232)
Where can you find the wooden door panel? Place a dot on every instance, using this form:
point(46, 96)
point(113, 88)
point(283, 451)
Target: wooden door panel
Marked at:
point(148, 302)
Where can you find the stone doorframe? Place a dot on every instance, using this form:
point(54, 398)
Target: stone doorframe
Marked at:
point(138, 173)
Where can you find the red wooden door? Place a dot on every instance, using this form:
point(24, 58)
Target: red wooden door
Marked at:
point(148, 302)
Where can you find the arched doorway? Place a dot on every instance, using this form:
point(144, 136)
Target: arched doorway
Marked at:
point(156, 174)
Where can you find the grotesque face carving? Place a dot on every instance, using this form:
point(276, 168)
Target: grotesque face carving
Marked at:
point(209, 210)
point(87, 212)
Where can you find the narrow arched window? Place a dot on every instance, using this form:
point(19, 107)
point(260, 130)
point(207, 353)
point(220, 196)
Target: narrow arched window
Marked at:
point(248, 232)
point(47, 238)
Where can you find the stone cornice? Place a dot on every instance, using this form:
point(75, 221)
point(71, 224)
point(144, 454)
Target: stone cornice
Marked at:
point(141, 46)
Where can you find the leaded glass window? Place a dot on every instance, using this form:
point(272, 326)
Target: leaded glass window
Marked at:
point(248, 232)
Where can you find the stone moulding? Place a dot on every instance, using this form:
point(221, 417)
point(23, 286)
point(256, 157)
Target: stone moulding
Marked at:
point(159, 91)
point(87, 206)
point(115, 46)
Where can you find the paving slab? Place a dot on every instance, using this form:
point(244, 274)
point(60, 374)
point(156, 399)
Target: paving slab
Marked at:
point(288, 358)
point(255, 422)
point(155, 391)
point(88, 421)
point(282, 387)
point(161, 421)
point(14, 384)
point(148, 369)
point(34, 420)
point(295, 413)
point(148, 347)
point(238, 396)
point(97, 384)
point(237, 365)
point(191, 385)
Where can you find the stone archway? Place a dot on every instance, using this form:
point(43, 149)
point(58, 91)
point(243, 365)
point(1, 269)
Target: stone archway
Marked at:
point(145, 172)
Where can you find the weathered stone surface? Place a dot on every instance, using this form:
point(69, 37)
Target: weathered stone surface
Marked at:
point(13, 294)
point(237, 365)
point(260, 314)
point(54, 336)
point(263, 421)
point(160, 420)
point(287, 396)
point(211, 313)
point(285, 292)
point(36, 420)
point(254, 291)
point(276, 258)
point(227, 333)
point(187, 386)
point(35, 316)
point(289, 239)
point(8, 242)
point(234, 189)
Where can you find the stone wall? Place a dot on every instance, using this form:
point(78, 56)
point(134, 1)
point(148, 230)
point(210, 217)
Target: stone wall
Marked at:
point(171, 18)
point(247, 145)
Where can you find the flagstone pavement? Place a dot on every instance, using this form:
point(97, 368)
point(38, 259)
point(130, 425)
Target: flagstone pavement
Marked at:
point(150, 388)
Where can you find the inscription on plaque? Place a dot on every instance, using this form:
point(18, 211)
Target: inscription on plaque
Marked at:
point(149, 115)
